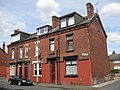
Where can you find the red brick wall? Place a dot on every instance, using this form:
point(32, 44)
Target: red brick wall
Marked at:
point(3, 62)
point(98, 53)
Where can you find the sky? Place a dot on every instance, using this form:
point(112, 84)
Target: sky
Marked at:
point(27, 15)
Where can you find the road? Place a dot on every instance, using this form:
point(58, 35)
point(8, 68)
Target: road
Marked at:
point(5, 86)
point(113, 86)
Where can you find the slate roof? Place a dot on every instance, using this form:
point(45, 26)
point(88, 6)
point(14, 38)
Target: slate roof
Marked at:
point(3, 51)
point(85, 21)
point(114, 57)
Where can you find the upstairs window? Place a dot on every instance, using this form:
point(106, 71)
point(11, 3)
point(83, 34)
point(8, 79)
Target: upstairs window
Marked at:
point(42, 30)
point(71, 21)
point(13, 54)
point(21, 52)
point(67, 21)
point(37, 49)
point(63, 23)
point(69, 43)
point(15, 38)
point(26, 51)
point(52, 45)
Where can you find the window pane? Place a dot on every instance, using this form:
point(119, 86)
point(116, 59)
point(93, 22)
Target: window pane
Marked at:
point(13, 53)
point(35, 72)
point(70, 45)
point(70, 21)
point(74, 62)
point(12, 70)
point(69, 38)
point(20, 52)
point(40, 72)
point(52, 47)
point(26, 51)
point(68, 62)
point(71, 67)
point(63, 22)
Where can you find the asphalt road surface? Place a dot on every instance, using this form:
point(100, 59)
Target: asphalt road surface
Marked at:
point(5, 86)
point(113, 86)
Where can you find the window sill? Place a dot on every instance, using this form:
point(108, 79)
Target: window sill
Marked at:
point(69, 51)
point(71, 76)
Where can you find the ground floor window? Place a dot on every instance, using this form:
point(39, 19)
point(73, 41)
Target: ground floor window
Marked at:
point(37, 69)
point(12, 69)
point(71, 67)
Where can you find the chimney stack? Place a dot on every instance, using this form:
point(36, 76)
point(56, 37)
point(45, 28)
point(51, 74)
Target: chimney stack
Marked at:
point(90, 10)
point(3, 46)
point(55, 22)
point(113, 53)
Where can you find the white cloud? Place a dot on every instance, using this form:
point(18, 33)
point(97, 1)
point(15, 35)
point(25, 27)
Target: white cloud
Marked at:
point(46, 9)
point(20, 25)
point(114, 37)
point(112, 9)
point(7, 26)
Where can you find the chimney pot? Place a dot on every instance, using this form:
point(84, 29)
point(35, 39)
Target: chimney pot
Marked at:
point(3, 46)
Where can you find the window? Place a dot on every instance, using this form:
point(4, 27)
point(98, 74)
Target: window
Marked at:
point(13, 53)
point(52, 45)
point(26, 51)
point(116, 62)
point(70, 43)
point(37, 49)
point(42, 30)
point(71, 67)
point(20, 52)
point(71, 20)
point(37, 69)
point(116, 67)
point(15, 38)
point(12, 69)
point(63, 23)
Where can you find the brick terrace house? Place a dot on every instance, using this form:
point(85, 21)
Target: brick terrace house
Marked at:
point(114, 60)
point(3, 61)
point(71, 51)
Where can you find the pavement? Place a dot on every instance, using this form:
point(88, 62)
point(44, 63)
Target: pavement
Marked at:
point(71, 87)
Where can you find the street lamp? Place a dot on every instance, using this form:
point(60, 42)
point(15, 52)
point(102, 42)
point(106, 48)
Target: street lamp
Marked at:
point(39, 60)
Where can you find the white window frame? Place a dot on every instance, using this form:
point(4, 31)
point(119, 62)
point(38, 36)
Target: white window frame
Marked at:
point(38, 68)
point(71, 67)
point(52, 45)
point(63, 22)
point(26, 51)
point(12, 70)
point(117, 67)
point(71, 20)
point(21, 52)
point(13, 53)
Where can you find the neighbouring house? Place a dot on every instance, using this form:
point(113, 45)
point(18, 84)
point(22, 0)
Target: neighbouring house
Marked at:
point(71, 51)
point(114, 61)
point(3, 61)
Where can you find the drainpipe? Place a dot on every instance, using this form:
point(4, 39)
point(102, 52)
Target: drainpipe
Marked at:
point(58, 61)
